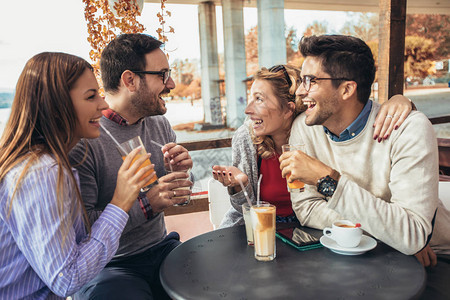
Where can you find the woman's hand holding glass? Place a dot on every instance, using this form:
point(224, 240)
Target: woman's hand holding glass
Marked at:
point(230, 176)
point(129, 181)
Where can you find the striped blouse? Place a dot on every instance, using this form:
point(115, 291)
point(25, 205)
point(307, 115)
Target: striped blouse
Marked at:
point(35, 262)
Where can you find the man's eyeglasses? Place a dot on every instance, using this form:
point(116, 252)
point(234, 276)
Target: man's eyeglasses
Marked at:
point(277, 68)
point(164, 74)
point(307, 80)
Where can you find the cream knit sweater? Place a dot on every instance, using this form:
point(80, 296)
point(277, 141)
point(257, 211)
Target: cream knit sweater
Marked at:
point(391, 187)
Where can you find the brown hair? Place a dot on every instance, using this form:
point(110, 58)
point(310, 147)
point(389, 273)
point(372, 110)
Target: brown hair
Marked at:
point(43, 121)
point(126, 52)
point(284, 80)
point(343, 56)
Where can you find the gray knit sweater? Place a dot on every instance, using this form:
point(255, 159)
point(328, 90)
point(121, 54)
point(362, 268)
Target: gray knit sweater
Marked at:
point(98, 176)
point(245, 159)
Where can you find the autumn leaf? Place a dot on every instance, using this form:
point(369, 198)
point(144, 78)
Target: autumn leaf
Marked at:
point(104, 27)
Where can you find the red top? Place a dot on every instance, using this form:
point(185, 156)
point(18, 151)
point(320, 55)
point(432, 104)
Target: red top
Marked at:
point(274, 187)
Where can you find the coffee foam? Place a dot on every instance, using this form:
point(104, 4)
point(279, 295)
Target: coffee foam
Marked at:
point(265, 217)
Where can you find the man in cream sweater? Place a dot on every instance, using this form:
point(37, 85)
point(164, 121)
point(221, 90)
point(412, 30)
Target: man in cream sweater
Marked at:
point(390, 187)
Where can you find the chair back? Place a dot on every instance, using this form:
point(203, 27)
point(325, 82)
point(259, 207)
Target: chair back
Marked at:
point(219, 201)
point(444, 193)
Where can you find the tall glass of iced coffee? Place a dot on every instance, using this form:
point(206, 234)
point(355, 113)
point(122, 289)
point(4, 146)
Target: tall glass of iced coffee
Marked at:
point(263, 221)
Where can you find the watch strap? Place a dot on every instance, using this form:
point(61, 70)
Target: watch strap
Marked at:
point(335, 175)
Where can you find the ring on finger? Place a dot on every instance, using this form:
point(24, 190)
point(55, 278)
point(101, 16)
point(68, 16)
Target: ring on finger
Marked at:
point(174, 193)
point(388, 116)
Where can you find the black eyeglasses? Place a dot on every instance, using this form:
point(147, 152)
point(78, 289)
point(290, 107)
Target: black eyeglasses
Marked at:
point(310, 79)
point(277, 68)
point(165, 74)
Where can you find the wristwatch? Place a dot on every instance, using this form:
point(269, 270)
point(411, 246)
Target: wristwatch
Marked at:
point(327, 185)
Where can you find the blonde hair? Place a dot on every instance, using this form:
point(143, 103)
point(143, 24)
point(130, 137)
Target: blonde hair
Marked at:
point(284, 80)
point(43, 121)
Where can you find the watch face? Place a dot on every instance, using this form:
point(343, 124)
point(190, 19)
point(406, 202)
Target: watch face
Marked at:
point(327, 186)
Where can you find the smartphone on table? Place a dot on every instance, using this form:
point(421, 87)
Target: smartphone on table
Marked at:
point(298, 238)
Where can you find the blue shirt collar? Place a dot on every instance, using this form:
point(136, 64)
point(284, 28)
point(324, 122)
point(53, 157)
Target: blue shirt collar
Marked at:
point(353, 129)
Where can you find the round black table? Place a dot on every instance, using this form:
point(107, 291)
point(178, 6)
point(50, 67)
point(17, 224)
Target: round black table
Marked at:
point(219, 265)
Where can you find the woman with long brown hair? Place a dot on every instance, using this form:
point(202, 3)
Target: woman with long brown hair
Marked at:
point(256, 145)
point(47, 246)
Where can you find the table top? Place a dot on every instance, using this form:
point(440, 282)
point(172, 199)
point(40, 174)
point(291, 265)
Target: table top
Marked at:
point(220, 265)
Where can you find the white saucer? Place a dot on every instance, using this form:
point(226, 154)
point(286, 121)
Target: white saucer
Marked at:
point(367, 243)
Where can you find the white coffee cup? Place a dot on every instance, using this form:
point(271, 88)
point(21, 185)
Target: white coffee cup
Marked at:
point(344, 233)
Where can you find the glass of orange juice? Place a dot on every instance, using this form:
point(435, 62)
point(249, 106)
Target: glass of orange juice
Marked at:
point(128, 146)
point(295, 186)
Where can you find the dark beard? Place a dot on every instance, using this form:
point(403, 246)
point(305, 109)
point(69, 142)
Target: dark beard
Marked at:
point(325, 113)
point(145, 104)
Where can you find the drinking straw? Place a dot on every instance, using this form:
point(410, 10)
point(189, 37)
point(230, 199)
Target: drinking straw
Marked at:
point(168, 159)
point(115, 141)
point(245, 192)
point(156, 143)
point(259, 189)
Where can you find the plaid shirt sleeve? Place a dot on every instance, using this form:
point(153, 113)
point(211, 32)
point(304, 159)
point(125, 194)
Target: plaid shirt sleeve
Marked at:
point(145, 206)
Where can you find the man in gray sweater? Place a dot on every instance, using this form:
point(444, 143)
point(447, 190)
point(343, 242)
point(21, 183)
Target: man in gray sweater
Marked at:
point(391, 188)
point(135, 73)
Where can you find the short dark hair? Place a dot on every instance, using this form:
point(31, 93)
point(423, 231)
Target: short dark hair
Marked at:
point(126, 52)
point(343, 56)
